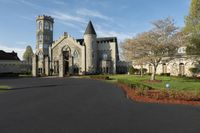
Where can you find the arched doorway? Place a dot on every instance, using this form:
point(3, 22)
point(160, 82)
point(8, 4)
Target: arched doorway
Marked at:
point(66, 56)
point(150, 68)
point(76, 70)
point(164, 68)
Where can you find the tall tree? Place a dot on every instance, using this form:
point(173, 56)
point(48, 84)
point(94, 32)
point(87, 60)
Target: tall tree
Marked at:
point(27, 56)
point(192, 28)
point(156, 45)
point(193, 19)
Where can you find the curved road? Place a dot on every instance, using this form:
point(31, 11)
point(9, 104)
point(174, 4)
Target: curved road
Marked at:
point(62, 105)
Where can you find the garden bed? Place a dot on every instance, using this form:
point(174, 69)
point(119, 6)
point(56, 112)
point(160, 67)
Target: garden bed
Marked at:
point(160, 96)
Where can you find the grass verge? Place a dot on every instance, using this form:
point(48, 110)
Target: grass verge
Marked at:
point(4, 88)
point(181, 91)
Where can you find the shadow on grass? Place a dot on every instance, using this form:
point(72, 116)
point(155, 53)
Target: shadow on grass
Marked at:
point(21, 88)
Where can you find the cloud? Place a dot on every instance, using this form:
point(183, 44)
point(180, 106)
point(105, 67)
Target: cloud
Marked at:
point(31, 4)
point(64, 17)
point(92, 13)
point(59, 2)
point(102, 32)
point(19, 51)
point(27, 18)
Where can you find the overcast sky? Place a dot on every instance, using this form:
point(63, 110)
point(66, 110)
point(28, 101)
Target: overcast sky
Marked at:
point(120, 18)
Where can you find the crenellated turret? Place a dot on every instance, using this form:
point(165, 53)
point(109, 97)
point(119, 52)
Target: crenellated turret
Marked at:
point(44, 34)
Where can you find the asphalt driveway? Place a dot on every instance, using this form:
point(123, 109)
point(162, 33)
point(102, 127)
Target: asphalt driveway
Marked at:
point(63, 105)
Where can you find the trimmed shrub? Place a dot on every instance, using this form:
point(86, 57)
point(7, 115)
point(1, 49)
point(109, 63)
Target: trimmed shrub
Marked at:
point(103, 77)
point(144, 70)
point(133, 70)
point(165, 74)
point(148, 73)
point(136, 85)
point(194, 71)
point(180, 75)
point(9, 74)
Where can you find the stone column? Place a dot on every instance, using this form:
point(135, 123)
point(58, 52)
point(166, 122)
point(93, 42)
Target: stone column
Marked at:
point(34, 65)
point(61, 66)
point(47, 70)
point(83, 58)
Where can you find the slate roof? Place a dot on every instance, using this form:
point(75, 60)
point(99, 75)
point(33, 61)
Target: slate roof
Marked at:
point(90, 29)
point(110, 39)
point(8, 56)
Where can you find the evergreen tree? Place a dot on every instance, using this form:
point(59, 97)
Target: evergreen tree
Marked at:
point(28, 55)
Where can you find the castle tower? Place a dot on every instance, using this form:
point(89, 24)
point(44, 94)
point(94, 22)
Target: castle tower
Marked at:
point(44, 34)
point(91, 49)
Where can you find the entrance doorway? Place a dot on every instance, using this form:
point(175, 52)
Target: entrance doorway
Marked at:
point(66, 67)
point(66, 62)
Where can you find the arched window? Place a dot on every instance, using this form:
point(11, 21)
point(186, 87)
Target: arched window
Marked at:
point(40, 37)
point(150, 68)
point(51, 27)
point(75, 54)
point(164, 67)
point(40, 55)
point(105, 56)
point(46, 25)
point(40, 25)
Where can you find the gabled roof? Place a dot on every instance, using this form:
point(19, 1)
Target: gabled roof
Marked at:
point(90, 29)
point(8, 56)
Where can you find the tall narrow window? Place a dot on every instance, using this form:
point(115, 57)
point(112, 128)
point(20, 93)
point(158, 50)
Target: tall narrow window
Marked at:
point(181, 69)
point(46, 26)
point(150, 68)
point(51, 27)
point(164, 68)
point(40, 25)
point(75, 54)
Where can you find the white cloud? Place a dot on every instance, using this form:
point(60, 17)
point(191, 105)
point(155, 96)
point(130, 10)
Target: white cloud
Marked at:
point(59, 2)
point(92, 13)
point(64, 17)
point(102, 32)
point(27, 18)
point(31, 4)
point(19, 51)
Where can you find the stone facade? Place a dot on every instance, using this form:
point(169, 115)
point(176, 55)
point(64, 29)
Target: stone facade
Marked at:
point(70, 56)
point(10, 63)
point(179, 66)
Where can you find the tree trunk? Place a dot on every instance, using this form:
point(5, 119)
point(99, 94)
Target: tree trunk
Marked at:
point(153, 75)
point(141, 71)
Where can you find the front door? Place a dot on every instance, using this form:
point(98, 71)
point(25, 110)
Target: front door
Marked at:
point(66, 62)
point(66, 66)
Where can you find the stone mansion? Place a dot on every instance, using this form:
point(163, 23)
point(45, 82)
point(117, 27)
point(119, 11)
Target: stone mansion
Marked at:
point(70, 56)
point(90, 55)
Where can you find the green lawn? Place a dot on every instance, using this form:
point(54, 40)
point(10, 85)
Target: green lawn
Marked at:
point(3, 88)
point(176, 83)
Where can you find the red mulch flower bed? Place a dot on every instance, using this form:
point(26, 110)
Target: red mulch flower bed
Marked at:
point(156, 96)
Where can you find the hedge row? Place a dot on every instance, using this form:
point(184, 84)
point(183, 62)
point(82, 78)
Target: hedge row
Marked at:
point(135, 85)
point(103, 77)
point(9, 74)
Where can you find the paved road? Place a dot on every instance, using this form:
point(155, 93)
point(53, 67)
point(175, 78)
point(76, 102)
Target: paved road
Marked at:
point(56, 105)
